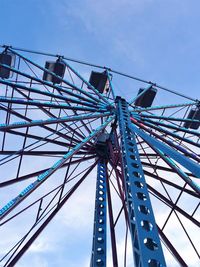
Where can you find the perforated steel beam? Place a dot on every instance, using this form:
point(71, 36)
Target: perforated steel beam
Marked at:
point(146, 244)
point(99, 234)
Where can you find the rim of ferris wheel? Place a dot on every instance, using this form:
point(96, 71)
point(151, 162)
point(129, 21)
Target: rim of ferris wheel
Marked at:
point(90, 96)
point(60, 88)
point(103, 67)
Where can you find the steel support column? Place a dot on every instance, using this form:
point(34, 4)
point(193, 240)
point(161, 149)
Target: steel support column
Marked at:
point(146, 244)
point(99, 235)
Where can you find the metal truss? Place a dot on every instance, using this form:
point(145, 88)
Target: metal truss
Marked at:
point(56, 138)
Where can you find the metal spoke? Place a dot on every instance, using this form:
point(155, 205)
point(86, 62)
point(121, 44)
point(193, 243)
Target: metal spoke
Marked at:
point(60, 130)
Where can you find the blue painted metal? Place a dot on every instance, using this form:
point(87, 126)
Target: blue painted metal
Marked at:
point(86, 82)
point(164, 107)
point(59, 88)
point(177, 128)
point(21, 124)
point(186, 152)
point(178, 157)
point(50, 104)
point(12, 261)
point(180, 172)
point(173, 144)
point(42, 177)
point(42, 92)
point(146, 244)
point(98, 257)
point(146, 115)
point(101, 67)
point(54, 75)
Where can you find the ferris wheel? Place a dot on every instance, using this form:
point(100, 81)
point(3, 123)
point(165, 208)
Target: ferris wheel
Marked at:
point(129, 161)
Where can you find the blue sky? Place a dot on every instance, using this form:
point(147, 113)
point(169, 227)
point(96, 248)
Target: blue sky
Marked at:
point(157, 40)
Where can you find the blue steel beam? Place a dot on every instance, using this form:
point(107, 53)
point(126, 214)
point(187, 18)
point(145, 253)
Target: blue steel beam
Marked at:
point(101, 67)
point(180, 148)
point(98, 257)
point(161, 150)
point(37, 103)
point(87, 83)
point(163, 107)
point(174, 127)
point(49, 84)
point(146, 244)
point(167, 118)
point(58, 133)
point(56, 96)
point(21, 124)
point(178, 157)
point(12, 261)
point(42, 177)
point(34, 174)
point(54, 75)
